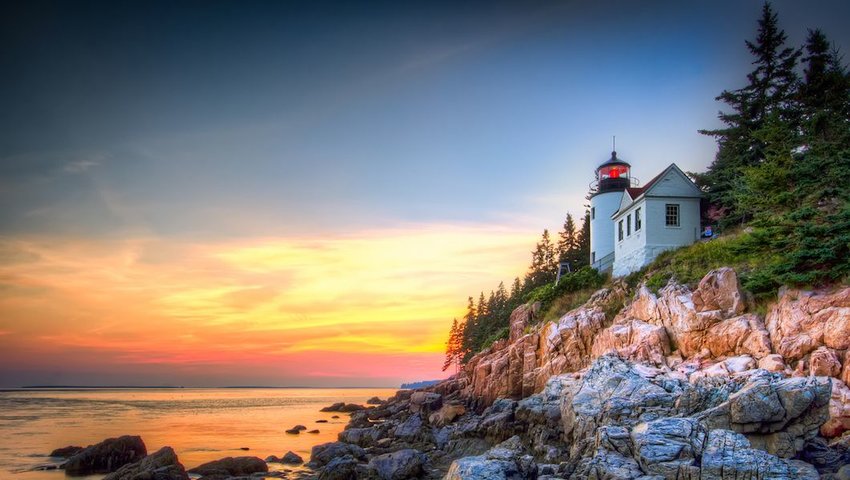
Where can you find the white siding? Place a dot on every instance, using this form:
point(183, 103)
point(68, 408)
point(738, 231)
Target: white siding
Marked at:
point(673, 184)
point(654, 237)
point(630, 243)
point(659, 234)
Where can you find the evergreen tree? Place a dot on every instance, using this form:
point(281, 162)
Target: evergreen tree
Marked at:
point(582, 257)
point(453, 346)
point(770, 93)
point(567, 241)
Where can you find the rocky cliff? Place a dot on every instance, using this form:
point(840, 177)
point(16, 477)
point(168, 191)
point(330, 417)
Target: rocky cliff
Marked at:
point(676, 385)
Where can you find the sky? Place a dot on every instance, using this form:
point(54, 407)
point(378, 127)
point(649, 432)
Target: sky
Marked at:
point(305, 192)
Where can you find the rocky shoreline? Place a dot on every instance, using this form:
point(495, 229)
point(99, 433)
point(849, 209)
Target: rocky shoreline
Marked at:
point(675, 385)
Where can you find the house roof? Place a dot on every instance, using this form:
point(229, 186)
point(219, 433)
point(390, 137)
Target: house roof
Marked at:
point(635, 193)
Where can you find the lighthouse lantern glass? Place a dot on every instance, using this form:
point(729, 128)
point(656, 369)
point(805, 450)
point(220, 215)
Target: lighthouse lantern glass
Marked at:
point(614, 171)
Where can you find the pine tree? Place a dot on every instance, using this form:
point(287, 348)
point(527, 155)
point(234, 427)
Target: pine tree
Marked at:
point(567, 241)
point(452, 346)
point(582, 257)
point(770, 93)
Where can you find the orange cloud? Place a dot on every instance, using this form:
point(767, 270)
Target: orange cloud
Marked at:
point(260, 302)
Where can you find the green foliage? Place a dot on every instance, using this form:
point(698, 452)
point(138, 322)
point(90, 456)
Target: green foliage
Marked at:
point(499, 334)
point(487, 320)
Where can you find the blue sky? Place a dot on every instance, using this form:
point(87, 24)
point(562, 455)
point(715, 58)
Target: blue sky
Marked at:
point(233, 118)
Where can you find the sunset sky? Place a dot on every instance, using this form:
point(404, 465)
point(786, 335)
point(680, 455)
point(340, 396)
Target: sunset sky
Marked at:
point(304, 192)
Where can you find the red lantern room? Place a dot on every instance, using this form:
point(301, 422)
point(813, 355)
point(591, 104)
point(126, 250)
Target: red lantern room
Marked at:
point(613, 175)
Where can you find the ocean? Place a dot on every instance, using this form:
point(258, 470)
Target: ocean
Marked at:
point(200, 424)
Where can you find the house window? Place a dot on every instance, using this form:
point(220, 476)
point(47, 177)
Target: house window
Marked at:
point(592, 213)
point(629, 224)
point(620, 230)
point(637, 219)
point(592, 257)
point(672, 215)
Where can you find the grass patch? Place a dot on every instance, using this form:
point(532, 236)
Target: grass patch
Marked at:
point(688, 265)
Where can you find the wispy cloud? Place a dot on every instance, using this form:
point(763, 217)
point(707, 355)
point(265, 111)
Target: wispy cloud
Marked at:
point(382, 293)
point(80, 166)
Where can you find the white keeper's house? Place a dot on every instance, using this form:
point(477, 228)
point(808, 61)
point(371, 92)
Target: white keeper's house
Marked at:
point(630, 225)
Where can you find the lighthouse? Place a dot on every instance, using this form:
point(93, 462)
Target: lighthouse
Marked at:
point(612, 179)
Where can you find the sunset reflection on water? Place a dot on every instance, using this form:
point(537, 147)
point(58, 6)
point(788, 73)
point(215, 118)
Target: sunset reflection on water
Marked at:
point(200, 424)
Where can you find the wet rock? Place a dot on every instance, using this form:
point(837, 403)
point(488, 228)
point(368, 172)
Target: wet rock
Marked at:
point(340, 468)
point(322, 454)
point(425, 402)
point(232, 466)
point(292, 458)
point(293, 431)
point(322, 421)
point(374, 401)
point(160, 465)
point(66, 452)
point(106, 456)
point(410, 429)
point(362, 437)
point(343, 407)
point(398, 465)
point(314, 431)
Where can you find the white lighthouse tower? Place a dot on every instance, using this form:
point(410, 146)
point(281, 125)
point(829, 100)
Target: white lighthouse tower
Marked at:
point(612, 179)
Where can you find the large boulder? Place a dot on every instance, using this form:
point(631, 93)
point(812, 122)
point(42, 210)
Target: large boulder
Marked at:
point(340, 468)
point(800, 322)
point(729, 455)
point(106, 456)
point(742, 335)
point(669, 447)
point(425, 402)
point(720, 290)
point(777, 414)
point(611, 393)
point(231, 466)
point(398, 465)
point(635, 340)
point(322, 454)
point(160, 465)
point(839, 411)
point(505, 461)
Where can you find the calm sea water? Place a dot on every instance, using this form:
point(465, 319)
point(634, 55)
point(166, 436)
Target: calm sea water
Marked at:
point(200, 424)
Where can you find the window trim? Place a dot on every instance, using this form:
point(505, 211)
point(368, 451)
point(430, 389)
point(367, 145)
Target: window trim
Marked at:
point(629, 225)
point(620, 231)
point(637, 220)
point(593, 213)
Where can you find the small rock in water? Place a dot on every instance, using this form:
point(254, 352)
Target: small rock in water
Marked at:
point(231, 466)
point(299, 427)
point(335, 416)
point(244, 448)
point(292, 458)
point(321, 421)
point(293, 431)
point(313, 431)
point(374, 401)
